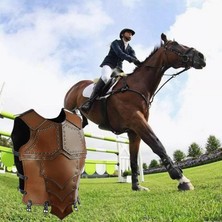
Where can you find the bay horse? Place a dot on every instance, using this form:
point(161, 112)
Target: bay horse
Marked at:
point(126, 108)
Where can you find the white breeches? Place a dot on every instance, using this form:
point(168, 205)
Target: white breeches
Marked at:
point(106, 73)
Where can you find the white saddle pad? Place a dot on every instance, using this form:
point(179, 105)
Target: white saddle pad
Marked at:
point(88, 90)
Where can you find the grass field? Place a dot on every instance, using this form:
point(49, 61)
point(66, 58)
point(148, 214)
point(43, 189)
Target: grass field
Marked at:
point(105, 200)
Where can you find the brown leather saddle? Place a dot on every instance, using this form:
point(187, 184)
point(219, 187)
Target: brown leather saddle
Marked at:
point(49, 156)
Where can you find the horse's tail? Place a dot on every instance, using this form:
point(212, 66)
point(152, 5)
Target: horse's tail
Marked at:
point(84, 121)
point(69, 103)
point(72, 98)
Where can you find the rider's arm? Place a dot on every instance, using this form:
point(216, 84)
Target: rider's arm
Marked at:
point(120, 53)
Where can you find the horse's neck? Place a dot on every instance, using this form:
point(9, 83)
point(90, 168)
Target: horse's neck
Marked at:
point(151, 72)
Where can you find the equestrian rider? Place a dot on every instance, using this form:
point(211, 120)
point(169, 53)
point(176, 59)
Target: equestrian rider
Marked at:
point(120, 50)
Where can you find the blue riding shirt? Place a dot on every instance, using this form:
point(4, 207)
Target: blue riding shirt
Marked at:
point(118, 53)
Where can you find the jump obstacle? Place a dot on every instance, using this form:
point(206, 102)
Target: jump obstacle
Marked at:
point(91, 166)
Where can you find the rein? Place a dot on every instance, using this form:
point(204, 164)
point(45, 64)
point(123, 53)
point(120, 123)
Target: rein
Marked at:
point(172, 76)
point(126, 87)
point(185, 59)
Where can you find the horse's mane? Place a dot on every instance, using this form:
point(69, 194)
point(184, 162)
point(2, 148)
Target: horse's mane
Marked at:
point(152, 53)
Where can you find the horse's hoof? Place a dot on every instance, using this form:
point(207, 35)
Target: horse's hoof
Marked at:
point(185, 186)
point(140, 188)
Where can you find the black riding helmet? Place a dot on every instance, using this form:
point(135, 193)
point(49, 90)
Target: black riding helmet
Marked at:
point(126, 30)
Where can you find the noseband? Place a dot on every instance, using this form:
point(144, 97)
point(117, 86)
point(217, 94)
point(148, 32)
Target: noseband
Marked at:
point(186, 57)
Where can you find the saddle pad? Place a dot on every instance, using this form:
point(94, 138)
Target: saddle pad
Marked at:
point(89, 89)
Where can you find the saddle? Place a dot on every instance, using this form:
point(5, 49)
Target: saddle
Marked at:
point(103, 97)
point(116, 75)
point(49, 156)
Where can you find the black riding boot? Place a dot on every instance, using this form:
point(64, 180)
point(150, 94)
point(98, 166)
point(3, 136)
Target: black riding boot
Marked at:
point(96, 91)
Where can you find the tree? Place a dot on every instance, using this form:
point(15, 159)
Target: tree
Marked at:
point(153, 164)
point(178, 155)
point(4, 141)
point(145, 166)
point(194, 150)
point(212, 144)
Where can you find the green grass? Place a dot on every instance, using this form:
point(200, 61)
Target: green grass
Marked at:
point(109, 201)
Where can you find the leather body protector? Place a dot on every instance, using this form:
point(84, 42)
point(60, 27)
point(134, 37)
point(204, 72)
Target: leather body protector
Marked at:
point(49, 156)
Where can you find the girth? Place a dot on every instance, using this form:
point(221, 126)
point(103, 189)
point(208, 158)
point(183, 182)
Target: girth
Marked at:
point(49, 156)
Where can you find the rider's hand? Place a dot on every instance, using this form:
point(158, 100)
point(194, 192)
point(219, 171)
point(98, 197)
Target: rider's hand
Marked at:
point(137, 63)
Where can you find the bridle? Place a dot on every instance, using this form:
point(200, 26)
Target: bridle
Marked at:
point(185, 59)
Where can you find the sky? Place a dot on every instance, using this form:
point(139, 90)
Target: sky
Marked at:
point(47, 46)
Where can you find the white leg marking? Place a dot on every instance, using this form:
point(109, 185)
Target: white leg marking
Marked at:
point(184, 180)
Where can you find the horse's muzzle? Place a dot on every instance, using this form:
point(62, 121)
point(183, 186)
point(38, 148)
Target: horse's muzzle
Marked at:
point(199, 61)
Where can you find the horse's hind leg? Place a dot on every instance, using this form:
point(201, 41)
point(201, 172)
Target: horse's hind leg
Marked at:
point(134, 142)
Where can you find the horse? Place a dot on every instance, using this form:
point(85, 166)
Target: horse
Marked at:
point(126, 108)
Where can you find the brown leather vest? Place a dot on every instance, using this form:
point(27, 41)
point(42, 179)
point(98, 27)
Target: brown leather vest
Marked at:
point(49, 156)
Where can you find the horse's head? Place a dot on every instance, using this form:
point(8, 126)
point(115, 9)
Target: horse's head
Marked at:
point(182, 56)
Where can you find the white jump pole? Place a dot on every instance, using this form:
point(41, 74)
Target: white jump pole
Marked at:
point(122, 152)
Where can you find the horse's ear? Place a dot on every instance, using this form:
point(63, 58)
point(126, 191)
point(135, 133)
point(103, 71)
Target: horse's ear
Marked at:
point(163, 37)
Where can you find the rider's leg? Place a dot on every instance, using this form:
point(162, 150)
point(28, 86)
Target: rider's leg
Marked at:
point(106, 72)
point(96, 90)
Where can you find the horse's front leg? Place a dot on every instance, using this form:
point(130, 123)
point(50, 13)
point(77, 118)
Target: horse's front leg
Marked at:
point(134, 142)
point(149, 137)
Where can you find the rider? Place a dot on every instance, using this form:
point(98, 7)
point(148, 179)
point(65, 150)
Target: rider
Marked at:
point(120, 50)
